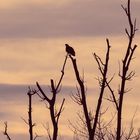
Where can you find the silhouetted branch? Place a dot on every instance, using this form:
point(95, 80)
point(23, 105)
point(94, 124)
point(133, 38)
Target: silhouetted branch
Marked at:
point(48, 131)
point(6, 131)
point(43, 97)
point(62, 71)
point(30, 122)
point(113, 95)
point(132, 134)
point(77, 97)
point(60, 110)
point(80, 126)
point(52, 101)
point(125, 76)
point(36, 136)
point(103, 68)
point(82, 100)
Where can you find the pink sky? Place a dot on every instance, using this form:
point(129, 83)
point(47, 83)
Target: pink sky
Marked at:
point(32, 38)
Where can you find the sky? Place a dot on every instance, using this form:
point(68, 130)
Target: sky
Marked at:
point(33, 35)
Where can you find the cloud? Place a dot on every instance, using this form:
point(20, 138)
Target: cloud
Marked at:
point(14, 104)
point(30, 60)
point(22, 60)
point(25, 61)
point(77, 18)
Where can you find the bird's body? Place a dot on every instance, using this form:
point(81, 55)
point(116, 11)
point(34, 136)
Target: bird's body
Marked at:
point(70, 50)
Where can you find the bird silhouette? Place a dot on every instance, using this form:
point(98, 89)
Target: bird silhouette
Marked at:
point(70, 50)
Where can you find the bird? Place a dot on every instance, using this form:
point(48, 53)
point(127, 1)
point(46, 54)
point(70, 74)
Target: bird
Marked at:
point(70, 50)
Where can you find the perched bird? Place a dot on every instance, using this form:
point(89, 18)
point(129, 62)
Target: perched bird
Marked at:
point(70, 50)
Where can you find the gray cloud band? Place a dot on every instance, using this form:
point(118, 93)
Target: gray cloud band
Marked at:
point(80, 18)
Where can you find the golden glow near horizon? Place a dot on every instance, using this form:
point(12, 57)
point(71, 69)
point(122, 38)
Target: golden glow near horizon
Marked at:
point(25, 61)
point(35, 61)
point(5, 4)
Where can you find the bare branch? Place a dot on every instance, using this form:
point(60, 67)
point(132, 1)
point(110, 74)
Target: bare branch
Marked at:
point(48, 131)
point(30, 123)
point(77, 97)
point(125, 76)
point(98, 60)
point(6, 131)
point(55, 88)
point(25, 121)
point(82, 99)
point(103, 71)
point(62, 73)
point(42, 92)
point(113, 95)
point(36, 136)
point(60, 110)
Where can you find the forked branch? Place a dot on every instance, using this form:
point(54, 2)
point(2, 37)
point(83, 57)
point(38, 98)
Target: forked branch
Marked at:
point(54, 114)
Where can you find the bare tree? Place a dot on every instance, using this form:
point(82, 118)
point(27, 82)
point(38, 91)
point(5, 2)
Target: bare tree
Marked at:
point(30, 123)
point(80, 97)
point(126, 75)
point(54, 114)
